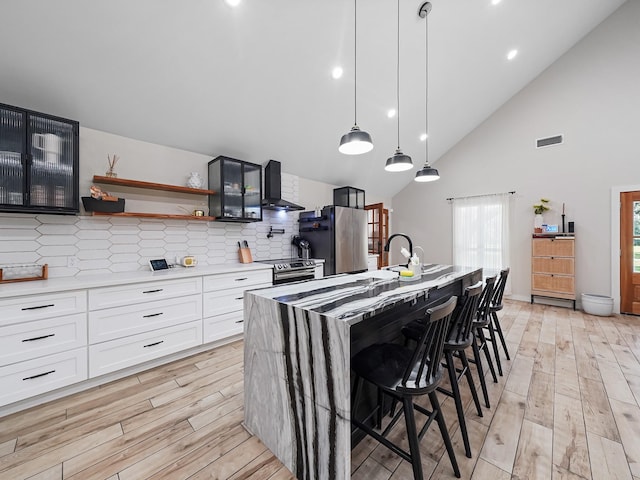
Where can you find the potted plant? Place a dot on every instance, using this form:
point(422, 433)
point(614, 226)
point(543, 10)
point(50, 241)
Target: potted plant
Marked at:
point(539, 209)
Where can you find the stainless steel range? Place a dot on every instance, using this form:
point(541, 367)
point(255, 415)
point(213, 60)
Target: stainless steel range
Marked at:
point(287, 270)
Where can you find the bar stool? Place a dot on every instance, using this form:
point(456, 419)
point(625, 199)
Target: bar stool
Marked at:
point(478, 325)
point(459, 338)
point(404, 373)
point(494, 324)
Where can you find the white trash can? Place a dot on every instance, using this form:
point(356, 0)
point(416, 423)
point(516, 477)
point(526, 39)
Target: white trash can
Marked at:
point(600, 305)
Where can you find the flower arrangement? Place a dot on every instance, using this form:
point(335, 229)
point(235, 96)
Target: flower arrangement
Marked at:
point(540, 208)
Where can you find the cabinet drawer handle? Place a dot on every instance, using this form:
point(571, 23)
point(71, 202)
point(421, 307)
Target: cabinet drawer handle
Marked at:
point(240, 279)
point(153, 291)
point(154, 344)
point(38, 375)
point(239, 298)
point(152, 315)
point(39, 307)
point(39, 338)
point(240, 321)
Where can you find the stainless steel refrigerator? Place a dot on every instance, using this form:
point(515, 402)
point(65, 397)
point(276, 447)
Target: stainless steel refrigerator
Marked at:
point(339, 236)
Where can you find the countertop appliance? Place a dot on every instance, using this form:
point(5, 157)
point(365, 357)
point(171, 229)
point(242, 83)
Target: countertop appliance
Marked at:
point(339, 236)
point(287, 270)
point(304, 247)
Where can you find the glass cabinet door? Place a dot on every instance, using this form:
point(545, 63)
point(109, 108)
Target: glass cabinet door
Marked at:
point(12, 157)
point(252, 191)
point(232, 176)
point(52, 163)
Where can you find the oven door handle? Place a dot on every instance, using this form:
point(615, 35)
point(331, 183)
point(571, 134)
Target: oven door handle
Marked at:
point(301, 274)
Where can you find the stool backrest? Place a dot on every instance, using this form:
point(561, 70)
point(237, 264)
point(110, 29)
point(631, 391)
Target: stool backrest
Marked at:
point(460, 328)
point(499, 290)
point(484, 305)
point(425, 361)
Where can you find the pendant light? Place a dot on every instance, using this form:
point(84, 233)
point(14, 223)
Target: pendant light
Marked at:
point(399, 162)
point(426, 173)
point(356, 141)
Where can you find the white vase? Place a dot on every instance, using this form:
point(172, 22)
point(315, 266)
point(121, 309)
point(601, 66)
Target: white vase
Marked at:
point(194, 180)
point(538, 221)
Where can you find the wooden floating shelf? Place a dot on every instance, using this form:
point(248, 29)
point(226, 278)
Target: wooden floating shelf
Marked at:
point(155, 215)
point(123, 182)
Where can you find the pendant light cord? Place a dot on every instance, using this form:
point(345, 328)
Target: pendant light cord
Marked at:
point(398, 77)
point(426, 88)
point(355, 62)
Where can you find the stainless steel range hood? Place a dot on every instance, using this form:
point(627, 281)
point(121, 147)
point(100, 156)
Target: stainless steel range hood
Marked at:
point(273, 189)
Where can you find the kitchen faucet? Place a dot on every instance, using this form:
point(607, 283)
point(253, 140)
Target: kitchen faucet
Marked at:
point(386, 247)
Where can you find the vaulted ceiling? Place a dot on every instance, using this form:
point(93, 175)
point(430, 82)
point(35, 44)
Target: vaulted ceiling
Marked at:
point(254, 82)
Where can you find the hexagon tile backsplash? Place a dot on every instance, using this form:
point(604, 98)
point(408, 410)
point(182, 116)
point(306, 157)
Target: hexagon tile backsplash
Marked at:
point(87, 245)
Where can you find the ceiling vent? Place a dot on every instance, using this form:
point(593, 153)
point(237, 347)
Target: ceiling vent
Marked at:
point(549, 141)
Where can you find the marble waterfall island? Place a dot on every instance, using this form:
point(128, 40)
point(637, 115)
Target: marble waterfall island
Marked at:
point(299, 340)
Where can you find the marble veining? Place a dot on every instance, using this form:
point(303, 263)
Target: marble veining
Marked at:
point(297, 361)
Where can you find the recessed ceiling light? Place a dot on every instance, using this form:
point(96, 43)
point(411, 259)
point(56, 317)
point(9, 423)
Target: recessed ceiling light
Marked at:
point(233, 3)
point(495, 2)
point(423, 137)
point(391, 113)
point(512, 54)
point(337, 72)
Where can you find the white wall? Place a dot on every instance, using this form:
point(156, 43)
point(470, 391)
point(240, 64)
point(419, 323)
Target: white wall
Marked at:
point(590, 95)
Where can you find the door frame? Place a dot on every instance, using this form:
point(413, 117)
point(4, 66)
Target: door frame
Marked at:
point(615, 241)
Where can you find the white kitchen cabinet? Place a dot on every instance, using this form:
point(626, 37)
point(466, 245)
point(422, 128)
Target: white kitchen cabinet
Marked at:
point(125, 352)
point(35, 307)
point(127, 294)
point(319, 271)
point(33, 377)
point(223, 301)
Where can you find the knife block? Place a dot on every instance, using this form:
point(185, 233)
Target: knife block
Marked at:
point(244, 254)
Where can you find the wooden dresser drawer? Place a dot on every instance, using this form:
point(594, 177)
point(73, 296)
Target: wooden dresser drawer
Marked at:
point(117, 322)
point(244, 280)
point(550, 285)
point(36, 307)
point(28, 340)
point(107, 297)
point(553, 247)
point(556, 265)
point(124, 352)
point(223, 326)
point(33, 377)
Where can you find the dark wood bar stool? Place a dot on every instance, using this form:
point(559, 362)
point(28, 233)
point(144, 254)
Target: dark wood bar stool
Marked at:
point(494, 324)
point(459, 338)
point(404, 373)
point(479, 343)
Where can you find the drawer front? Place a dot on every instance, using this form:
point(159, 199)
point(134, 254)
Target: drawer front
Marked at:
point(223, 326)
point(226, 281)
point(117, 354)
point(119, 322)
point(26, 379)
point(36, 307)
point(553, 283)
point(218, 303)
point(24, 341)
point(108, 297)
point(561, 265)
point(553, 247)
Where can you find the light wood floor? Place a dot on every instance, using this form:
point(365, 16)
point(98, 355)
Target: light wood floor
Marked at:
point(567, 408)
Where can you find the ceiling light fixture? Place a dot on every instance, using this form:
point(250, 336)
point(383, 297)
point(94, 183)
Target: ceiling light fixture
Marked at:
point(391, 113)
point(399, 162)
point(337, 72)
point(356, 141)
point(233, 3)
point(423, 137)
point(495, 2)
point(426, 173)
point(512, 54)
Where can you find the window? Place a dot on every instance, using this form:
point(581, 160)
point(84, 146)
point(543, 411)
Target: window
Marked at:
point(481, 232)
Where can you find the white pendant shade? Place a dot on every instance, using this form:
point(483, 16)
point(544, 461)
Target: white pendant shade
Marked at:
point(355, 142)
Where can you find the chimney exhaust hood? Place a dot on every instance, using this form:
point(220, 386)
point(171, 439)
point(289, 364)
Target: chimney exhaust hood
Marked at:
point(273, 189)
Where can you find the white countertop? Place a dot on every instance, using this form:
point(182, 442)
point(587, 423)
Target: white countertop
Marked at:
point(92, 281)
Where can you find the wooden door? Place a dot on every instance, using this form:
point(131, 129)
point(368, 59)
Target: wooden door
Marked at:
point(630, 252)
point(378, 232)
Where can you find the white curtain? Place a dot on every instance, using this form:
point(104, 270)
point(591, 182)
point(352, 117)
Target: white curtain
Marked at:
point(481, 232)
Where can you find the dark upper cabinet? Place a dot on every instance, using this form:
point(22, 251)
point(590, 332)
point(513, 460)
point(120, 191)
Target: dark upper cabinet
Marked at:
point(348, 197)
point(38, 162)
point(238, 187)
